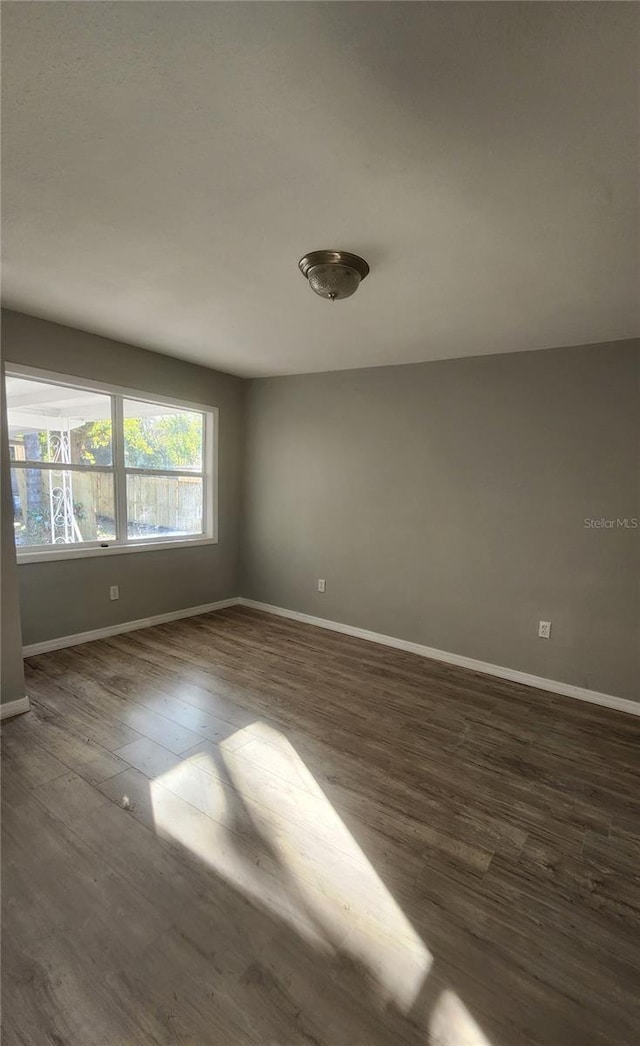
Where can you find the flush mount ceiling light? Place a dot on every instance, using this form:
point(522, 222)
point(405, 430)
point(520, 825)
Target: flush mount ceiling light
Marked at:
point(333, 274)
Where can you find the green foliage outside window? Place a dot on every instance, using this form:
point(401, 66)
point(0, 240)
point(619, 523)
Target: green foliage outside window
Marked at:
point(166, 441)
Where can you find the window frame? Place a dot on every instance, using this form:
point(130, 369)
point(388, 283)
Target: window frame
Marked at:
point(123, 544)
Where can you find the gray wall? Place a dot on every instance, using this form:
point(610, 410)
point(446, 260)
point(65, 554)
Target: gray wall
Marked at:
point(444, 504)
point(69, 596)
point(12, 674)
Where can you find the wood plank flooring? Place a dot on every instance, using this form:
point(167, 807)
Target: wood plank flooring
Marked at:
point(238, 830)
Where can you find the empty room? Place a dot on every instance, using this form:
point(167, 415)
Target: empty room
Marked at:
point(320, 523)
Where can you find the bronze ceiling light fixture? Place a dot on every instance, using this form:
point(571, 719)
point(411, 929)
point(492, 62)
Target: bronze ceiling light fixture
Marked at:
point(333, 274)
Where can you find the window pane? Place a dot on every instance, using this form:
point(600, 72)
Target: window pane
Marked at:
point(55, 423)
point(159, 437)
point(159, 506)
point(62, 508)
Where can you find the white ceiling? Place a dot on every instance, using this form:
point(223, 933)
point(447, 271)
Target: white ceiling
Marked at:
point(166, 164)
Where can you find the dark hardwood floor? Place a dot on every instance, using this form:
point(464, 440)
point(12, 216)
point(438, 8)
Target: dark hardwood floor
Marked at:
point(237, 829)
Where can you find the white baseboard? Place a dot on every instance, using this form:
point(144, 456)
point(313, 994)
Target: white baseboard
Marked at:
point(11, 708)
point(621, 704)
point(552, 686)
point(124, 626)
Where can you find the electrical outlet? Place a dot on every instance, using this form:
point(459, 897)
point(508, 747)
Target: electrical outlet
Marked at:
point(322, 585)
point(114, 592)
point(544, 629)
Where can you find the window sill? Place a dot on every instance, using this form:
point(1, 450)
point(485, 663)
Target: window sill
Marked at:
point(65, 552)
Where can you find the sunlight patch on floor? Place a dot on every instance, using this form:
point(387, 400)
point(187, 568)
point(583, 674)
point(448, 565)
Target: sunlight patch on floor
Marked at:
point(256, 815)
point(451, 1024)
point(332, 873)
point(210, 837)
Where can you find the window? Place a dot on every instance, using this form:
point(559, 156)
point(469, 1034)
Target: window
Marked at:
point(96, 470)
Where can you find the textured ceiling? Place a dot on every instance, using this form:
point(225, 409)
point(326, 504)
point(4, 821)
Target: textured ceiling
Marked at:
point(166, 164)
